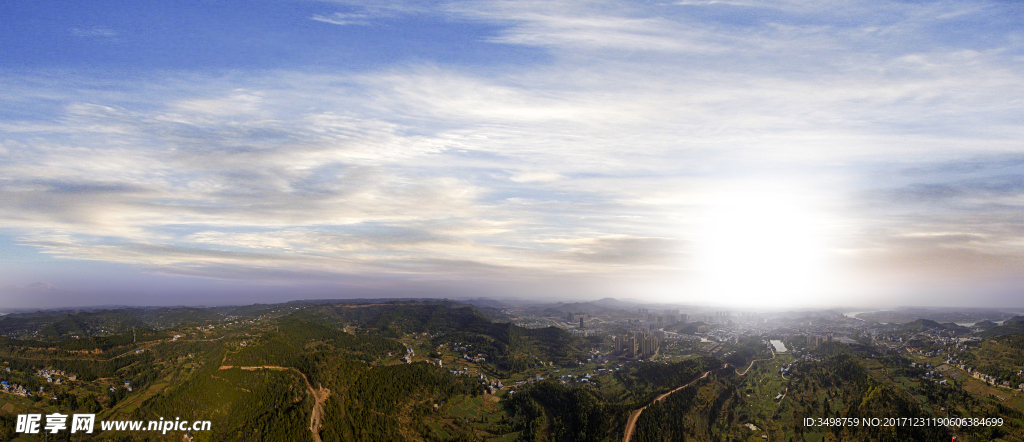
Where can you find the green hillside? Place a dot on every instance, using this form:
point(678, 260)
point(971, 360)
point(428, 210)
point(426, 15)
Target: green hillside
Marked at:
point(264, 377)
point(1012, 326)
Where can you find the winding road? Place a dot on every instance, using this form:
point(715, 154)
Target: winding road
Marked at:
point(635, 415)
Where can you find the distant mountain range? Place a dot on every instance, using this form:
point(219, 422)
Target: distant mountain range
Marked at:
point(33, 287)
point(940, 315)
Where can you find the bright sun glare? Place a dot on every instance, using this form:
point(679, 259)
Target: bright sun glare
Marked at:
point(760, 247)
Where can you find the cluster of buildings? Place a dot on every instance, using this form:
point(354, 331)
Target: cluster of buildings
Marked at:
point(409, 353)
point(666, 317)
point(816, 340)
point(574, 318)
point(127, 386)
point(636, 346)
point(491, 386)
point(478, 358)
point(19, 390)
point(992, 380)
point(51, 375)
point(583, 332)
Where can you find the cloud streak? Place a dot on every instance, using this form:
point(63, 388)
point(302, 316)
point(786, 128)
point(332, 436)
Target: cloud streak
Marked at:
point(602, 162)
point(94, 32)
point(342, 19)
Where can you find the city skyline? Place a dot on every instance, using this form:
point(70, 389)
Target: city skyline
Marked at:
point(752, 154)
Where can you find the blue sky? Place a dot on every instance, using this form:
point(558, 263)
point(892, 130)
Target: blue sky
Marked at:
point(130, 38)
point(742, 153)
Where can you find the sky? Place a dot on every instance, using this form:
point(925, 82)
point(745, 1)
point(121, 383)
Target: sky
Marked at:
point(725, 152)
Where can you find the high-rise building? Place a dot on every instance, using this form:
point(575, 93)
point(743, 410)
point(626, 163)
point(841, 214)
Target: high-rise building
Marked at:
point(626, 346)
point(581, 322)
point(638, 344)
point(574, 317)
point(816, 340)
point(646, 346)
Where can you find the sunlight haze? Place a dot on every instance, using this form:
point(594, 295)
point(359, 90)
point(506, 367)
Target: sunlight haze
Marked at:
point(766, 153)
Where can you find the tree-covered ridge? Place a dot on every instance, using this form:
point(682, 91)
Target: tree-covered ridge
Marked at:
point(1012, 326)
point(568, 413)
point(511, 347)
point(264, 405)
point(294, 341)
point(746, 350)
point(165, 317)
point(1015, 342)
point(56, 325)
point(645, 381)
point(696, 413)
point(88, 359)
point(390, 403)
point(841, 387)
point(920, 325)
point(393, 318)
point(416, 317)
point(1001, 357)
point(68, 325)
point(249, 376)
point(102, 343)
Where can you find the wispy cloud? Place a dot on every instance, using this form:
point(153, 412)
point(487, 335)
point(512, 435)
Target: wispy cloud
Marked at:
point(94, 32)
point(601, 162)
point(343, 19)
point(365, 12)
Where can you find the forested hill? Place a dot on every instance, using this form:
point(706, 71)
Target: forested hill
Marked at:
point(1012, 326)
point(511, 347)
point(388, 317)
point(927, 324)
point(440, 370)
point(397, 319)
point(56, 325)
point(68, 325)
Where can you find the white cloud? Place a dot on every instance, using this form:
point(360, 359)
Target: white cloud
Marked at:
point(534, 177)
point(598, 161)
point(343, 19)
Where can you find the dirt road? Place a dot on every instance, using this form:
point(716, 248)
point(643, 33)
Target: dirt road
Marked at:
point(635, 415)
point(755, 360)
